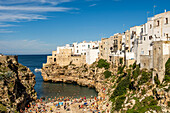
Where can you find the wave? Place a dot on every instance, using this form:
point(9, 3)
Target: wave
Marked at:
point(37, 70)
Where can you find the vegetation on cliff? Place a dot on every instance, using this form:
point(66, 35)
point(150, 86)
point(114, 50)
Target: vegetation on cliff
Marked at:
point(133, 90)
point(129, 89)
point(103, 63)
point(167, 71)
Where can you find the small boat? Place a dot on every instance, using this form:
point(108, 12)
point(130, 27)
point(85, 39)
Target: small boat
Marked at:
point(37, 70)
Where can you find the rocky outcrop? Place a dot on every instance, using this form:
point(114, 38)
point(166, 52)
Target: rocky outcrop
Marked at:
point(84, 75)
point(90, 76)
point(16, 85)
point(128, 89)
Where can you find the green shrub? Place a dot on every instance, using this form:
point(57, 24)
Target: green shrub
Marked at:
point(2, 108)
point(153, 102)
point(157, 82)
point(119, 79)
point(167, 67)
point(136, 72)
point(103, 63)
point(107, 74)
point(143, 91)
point(134, 65)
point(168, 103)
point(120, 69)
point(129, 72)
point(119, 101)
point(121, 60)
point(145, 77)
point(167, 78)
point(121, 88)
point(147, 104)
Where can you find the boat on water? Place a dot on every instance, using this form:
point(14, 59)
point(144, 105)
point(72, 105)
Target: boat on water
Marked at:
point(37, 70)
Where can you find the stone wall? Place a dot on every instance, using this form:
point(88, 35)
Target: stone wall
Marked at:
point(145, 61)
point(160, 58)
point(65, 57)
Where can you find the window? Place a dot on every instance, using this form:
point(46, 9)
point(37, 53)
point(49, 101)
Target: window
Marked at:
point(158, 23)
point(150, 26)
point(54, 59)
point(166, 20)
point(141, 30)
point(88, 46)
point(167, 36)
point(150, 37)
point(77, 51)
point(144, 38)
point(149, 52)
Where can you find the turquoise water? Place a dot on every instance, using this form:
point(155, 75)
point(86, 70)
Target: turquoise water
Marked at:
point(44, 89)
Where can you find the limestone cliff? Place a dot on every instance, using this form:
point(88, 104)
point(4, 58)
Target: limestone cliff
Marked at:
point(91, 76)
point(85, 76)
point(16, 84)
point(128, 89)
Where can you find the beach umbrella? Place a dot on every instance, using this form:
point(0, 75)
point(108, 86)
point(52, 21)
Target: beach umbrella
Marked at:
point(85, 103)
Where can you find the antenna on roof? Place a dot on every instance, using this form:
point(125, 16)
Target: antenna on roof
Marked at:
point(147, 15)
point(165, 10)
point(123, 27)
point(154, 9)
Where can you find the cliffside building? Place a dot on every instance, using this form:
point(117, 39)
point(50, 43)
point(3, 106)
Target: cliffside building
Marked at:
point(74, 54)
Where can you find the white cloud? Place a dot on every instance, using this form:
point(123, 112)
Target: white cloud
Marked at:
point(24, 47)
point(5, 31)
point(53, 2)
point(6, 25)
point(12, 17)
point(34, 9)
point(28, 10)
point(93, 5)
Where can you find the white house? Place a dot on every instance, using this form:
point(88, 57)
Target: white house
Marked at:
point(92, 55)
point(80, 48)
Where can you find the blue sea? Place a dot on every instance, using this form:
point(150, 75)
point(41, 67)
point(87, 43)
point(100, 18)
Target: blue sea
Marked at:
point(45, 89)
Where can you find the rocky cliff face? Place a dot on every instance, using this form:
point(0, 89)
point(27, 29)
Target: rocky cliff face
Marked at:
point(128, 89)
point(90, 76)
point(16, 85)
point(84, 75)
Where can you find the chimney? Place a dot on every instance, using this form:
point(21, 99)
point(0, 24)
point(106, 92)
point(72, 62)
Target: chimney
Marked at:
point(165, 10)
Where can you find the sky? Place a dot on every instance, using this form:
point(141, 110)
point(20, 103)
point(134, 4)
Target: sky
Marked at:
point(39, 26)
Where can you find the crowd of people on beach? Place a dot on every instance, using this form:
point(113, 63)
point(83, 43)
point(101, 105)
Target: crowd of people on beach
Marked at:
point(68, 105)
point(65, 105)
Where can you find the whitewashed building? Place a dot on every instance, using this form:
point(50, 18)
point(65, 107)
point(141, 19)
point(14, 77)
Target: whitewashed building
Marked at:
point(92, 55)
point(80, 48)
point(135, 33)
